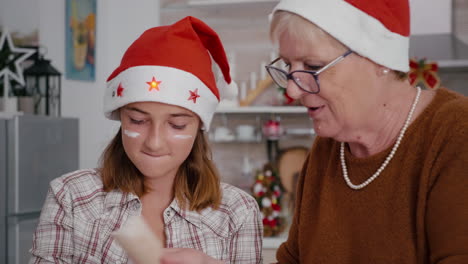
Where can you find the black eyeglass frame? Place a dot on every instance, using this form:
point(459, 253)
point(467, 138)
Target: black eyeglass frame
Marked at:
point(289, 76)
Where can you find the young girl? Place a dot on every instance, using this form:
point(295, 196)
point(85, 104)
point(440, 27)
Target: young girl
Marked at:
point(158, 165)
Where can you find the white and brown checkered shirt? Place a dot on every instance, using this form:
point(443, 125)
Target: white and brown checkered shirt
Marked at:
point(78, 218)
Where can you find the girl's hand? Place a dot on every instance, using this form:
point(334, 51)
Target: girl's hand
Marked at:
point(186, 256)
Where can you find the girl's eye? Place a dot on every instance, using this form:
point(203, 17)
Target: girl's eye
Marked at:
point(178, 127)
point(136, 122)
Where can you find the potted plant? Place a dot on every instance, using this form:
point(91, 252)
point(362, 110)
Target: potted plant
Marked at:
point(25, 99)
point(9, 104)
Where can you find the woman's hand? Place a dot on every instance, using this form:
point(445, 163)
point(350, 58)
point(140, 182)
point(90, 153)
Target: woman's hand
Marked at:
point(186, 256)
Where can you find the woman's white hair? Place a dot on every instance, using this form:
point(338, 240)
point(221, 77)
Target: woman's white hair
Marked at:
point(299, 28)
point(304, 30)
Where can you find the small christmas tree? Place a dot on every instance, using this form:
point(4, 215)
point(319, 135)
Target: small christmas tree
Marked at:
point(267, 191)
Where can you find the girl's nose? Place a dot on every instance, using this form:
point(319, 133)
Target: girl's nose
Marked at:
point(155, 139)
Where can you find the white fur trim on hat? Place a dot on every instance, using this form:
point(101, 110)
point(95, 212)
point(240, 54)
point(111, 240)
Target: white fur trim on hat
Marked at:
point(359, 31)
point(174, 89)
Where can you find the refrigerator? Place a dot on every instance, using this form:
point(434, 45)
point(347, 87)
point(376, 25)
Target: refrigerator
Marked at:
point(33, 151)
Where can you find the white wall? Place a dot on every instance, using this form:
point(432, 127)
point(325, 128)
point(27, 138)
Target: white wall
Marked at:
point(19, 15)
point(119, 23)
point(431, 16)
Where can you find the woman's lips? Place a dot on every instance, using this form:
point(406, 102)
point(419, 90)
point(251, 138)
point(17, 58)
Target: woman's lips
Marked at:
point(315, 111)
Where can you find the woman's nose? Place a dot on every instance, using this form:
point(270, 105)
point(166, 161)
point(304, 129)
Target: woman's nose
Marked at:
point(293, 90)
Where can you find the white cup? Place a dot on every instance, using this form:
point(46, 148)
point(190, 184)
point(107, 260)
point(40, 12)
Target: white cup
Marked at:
point(222, 133)
point(245, 132)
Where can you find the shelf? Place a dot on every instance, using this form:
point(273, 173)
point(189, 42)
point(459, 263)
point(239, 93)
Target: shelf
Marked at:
point(237, 141)
point(168, 4)
point(446, 49)
point(259, 139)
point(263, 109)
point(227, 2)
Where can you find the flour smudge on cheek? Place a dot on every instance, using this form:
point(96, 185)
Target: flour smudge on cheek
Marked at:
point(131, 134)
point(183, 136)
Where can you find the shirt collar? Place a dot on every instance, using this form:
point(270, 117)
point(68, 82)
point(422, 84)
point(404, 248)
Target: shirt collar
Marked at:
point(213, 221)
point(118, 198)
point(190, 216)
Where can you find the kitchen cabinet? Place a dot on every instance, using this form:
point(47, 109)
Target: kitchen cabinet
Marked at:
point(33, 151)
point(3, 182)
point(256, 116)
point(242, 26)
point(262, 110)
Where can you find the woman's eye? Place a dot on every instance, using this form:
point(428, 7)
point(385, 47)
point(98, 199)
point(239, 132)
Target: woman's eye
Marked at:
point(312, 67)
point(178, 127)
point(136, 121)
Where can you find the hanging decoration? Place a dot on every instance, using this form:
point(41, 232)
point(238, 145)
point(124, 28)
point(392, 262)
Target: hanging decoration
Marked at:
point(272, 131)
point(11, 58)
point(424, 73)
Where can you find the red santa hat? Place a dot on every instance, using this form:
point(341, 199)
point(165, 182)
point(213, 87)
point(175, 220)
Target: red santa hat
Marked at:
point(376, 29)
point(173, 65)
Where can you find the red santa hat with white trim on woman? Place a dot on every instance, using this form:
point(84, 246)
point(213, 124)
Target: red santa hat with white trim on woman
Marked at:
point(173, 65)
point(376, 29)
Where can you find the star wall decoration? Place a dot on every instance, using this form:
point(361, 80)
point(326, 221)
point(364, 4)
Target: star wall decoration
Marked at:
point(11, 58)
point(154, 84)
point(193, 95)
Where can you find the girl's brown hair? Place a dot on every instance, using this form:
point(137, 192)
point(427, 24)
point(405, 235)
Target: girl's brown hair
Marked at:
point(196, 181)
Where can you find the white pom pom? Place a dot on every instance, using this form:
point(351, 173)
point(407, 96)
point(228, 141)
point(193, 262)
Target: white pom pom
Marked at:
point(227, 91)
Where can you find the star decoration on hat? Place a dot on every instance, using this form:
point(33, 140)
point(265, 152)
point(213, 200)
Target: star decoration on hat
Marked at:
point(193, 95)
point(11, 57)
point(120, 90)
point(154, 84)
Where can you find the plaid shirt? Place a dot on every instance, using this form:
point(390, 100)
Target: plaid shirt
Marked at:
point(78, 218)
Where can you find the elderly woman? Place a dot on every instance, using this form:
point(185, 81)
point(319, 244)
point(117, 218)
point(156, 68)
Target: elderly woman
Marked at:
point(386, 179)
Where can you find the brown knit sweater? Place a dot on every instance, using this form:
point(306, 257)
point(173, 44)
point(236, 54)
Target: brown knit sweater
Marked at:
point(416, 211)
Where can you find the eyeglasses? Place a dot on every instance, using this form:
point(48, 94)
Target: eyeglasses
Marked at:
point(307, 81)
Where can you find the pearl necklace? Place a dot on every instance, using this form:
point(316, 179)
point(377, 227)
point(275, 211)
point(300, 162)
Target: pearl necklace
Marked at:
point(389, 157)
